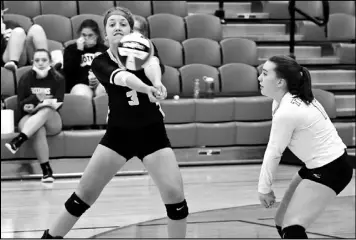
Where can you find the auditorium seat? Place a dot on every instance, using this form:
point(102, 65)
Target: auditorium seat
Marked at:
point(178, 111)
point(338, 33)
point(8, 83)
point(77, 117)
point(327, 100)
point(255, 108)
point(239, 78)
point(203, 51)
point(197, 71)
point(214, 110)
point(56, 27)
point(204, 26)
point(346, 52)
point(54, 45)
point(239, 50)
point(216, 134)
point(29, 9)
point(171, 80)
point(178, 8)
point(170, 51)
point(94, 7)
point(142, 8)
point(164, 25)
point(11, 103)
point(101, 109)
point(64, 8)
point(21, 71)
point(182, 135)
point(23, 21)
point(253, 133)
point(347, 7)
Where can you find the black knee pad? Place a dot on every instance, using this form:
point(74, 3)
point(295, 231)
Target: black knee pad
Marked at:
point(294, 232)
point(177, 211)
point(75, 206)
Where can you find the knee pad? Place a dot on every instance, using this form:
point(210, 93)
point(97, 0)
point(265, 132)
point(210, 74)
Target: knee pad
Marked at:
point(294, 232)
point(177, 211)
point(75, 206)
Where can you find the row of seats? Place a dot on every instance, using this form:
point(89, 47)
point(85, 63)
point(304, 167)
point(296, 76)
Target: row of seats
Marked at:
point(82, 143)
point(71, 8)
point(279, 9)
point(164, 25)
point(230, 79)
point(63, 29)
point(276, 9)
point(236, 78)
point(79, 111)
point(79, 136)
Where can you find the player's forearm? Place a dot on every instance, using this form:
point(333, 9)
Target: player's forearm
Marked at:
point(268, 171)
point(153, 71)
point(136, 84)
point(127, 79)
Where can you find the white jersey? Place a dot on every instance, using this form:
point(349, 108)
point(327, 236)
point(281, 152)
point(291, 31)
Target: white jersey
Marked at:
point(306, 130)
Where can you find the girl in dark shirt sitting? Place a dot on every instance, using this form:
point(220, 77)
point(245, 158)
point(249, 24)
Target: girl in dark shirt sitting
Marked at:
point(40, 94)
point(77, 60)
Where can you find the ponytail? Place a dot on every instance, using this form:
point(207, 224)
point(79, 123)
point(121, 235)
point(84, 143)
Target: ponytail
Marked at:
point(305, 87)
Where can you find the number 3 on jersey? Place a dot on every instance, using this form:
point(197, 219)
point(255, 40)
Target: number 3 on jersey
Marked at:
point(133, 98)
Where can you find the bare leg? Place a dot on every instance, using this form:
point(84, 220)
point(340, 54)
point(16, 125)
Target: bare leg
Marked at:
point(103, 165)
point(36, 39)
point(15, 47)
point(164, 170)
point(36, 121)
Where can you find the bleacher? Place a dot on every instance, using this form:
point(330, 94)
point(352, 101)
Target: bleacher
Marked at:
point(194, 43)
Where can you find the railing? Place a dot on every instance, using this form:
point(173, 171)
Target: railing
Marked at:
point(292, 9)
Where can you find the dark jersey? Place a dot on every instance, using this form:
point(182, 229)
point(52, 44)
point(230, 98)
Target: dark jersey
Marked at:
point(76, 63)
point(127, 107)
point(29, 86)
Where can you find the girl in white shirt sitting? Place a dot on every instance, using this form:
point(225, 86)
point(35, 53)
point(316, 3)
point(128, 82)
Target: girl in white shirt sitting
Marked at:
point(301, 124)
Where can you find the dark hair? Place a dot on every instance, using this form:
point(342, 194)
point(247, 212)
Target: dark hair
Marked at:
point(297, 77)
point(93, 25)
point(126, 13)
point(143, 29)
point(57, 75)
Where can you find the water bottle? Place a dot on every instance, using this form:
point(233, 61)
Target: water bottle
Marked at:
point(209, 86)
point(196, 88)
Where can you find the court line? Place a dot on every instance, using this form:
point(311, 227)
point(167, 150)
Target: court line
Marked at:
point(235, 220)
point(266, 225)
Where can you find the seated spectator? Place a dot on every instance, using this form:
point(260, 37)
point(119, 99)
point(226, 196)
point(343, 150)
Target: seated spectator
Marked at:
point(39, 116)
point(15, 42)
point(77, 60)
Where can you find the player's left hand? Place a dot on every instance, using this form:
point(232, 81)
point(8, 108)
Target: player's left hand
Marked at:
point(162, 90)
point(267, 200)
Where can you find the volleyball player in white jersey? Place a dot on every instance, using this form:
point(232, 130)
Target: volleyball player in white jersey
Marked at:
point(301, 124)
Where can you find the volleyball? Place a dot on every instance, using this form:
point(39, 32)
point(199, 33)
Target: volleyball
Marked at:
point(134, 51)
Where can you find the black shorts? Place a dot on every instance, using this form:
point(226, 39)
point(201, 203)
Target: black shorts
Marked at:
point(336, 174)
point(138, 142)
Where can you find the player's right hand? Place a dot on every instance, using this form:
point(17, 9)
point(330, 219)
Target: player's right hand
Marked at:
point(152, 92)
point(267, 200)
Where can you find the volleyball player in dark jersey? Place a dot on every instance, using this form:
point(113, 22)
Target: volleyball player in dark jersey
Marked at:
point(135, 128)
